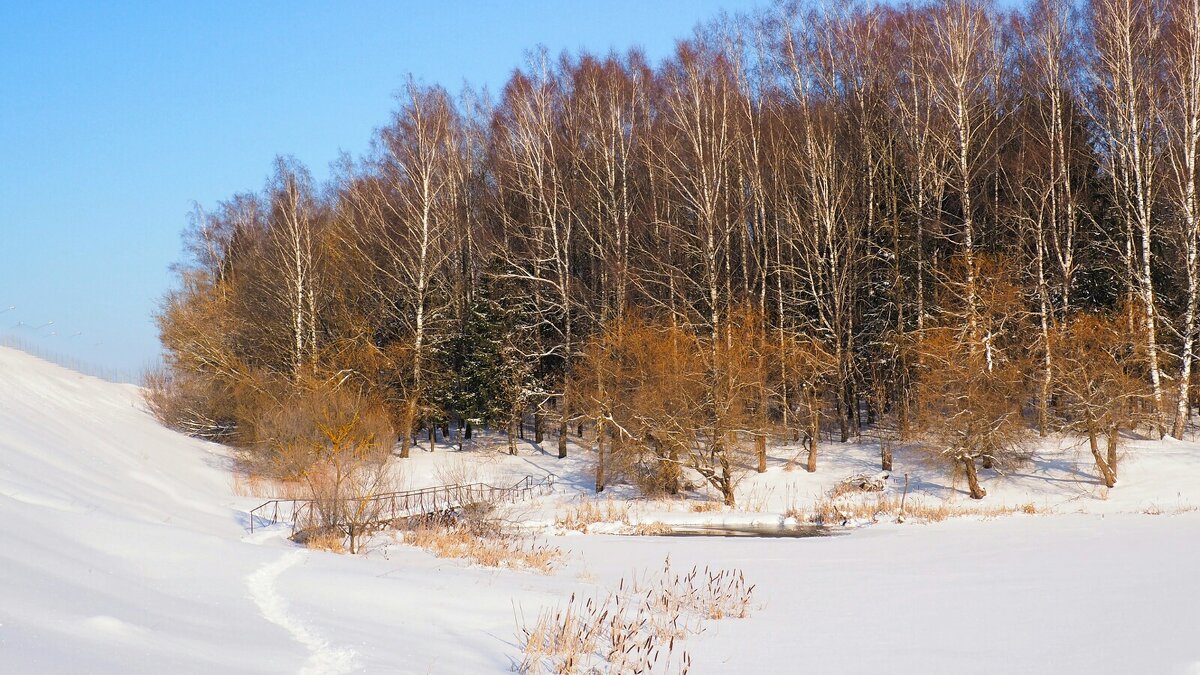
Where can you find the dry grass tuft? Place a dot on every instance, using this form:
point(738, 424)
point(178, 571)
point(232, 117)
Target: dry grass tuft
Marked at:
point(841, 510)
point(591, 511)
point(330, 541)
point(651, 529)
point(635, 628)
point(757, 500)
point(1156, 510)
point(490, 547)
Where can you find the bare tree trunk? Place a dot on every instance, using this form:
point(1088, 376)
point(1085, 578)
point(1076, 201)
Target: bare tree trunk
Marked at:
point(1114, 435)
point(726, 478)
point(563, 431)
point(407, 433)
point(1129, 43)
point(968, 465)
point(760, 450)
point(1047, 375)
point(1106, 472)
point(814, 429)
point(600, 458)
point(1184, 139)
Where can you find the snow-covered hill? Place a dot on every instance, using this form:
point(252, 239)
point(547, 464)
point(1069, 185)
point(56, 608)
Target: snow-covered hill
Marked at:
point(124, 550)
point(120, 547)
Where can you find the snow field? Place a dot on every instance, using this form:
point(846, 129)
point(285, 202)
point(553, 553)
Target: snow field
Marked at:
point(124, 550)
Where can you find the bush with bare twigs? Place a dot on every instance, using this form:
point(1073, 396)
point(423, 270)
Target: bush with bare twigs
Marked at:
point(337, 445)
point(972, 378)
point(1100, 390)
point(666, 398)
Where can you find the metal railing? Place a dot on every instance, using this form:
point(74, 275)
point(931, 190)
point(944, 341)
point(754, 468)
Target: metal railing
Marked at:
point(383, 508)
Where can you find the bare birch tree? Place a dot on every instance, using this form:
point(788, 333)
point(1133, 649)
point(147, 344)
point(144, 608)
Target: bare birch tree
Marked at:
point(1126, 81)
point(1182, 130)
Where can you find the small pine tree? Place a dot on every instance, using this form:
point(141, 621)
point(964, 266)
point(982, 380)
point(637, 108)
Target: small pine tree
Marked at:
point(488, 374)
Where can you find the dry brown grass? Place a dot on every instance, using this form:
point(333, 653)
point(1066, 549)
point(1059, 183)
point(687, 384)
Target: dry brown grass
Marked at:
point(588, 512)
point(254, 484)
point(651, 529)
point(1156, 510)
point(635, 628)
point(705, 506)
point(841, 510)
point(330, 541)
point(757, 500)
point(489, 547)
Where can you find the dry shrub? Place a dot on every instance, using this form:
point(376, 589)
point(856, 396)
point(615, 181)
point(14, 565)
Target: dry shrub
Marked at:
point(249, 484)
point(667, 397)
point(197, 391)
point(809, 370)
point(972, 374)
point(336, 444)
point(1098, 372)
point(856, 484)
point(1156, 510)
point(635, 628)
point(705, 593)
point(705, 506)
point(488, 546)
point(198, 404)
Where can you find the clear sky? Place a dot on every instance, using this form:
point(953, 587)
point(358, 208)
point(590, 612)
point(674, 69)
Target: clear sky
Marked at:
point(115, 117)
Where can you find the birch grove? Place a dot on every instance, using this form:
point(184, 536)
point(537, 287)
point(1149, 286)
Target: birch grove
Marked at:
point(948, 224)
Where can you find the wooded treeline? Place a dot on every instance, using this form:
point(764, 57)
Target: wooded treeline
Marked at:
point(939, 223)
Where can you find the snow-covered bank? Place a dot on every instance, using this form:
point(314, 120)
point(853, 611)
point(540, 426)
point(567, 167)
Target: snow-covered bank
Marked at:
point(125, 551)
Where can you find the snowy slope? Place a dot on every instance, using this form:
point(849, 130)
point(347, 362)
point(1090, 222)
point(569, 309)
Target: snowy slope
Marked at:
point(120, 549)
point(123, 550)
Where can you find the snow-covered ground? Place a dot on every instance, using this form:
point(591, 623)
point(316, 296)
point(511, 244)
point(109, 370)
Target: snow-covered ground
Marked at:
point(124, 549)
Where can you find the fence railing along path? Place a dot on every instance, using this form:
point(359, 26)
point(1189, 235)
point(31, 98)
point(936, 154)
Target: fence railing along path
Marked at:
point(380, 509)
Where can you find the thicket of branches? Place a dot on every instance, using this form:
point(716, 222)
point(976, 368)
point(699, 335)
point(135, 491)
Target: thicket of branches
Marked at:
point(955, 223)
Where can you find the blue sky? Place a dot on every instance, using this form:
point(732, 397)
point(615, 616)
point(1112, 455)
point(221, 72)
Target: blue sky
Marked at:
point(115, 117)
